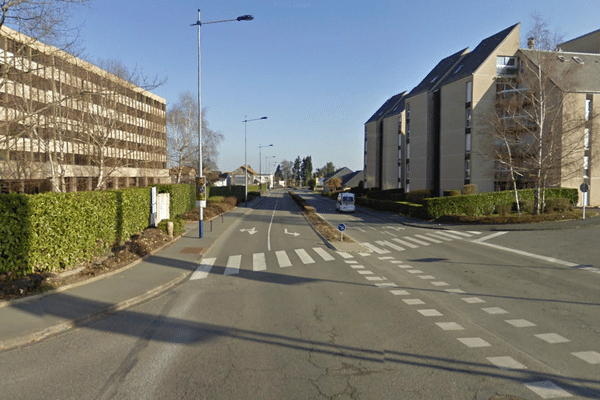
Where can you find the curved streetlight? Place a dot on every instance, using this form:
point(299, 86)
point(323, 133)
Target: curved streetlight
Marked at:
point(200, 182)
point(245, 121)
point(269, 166)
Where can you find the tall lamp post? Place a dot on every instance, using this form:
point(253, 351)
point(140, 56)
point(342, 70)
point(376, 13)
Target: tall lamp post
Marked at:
point(269, 166)
point(245, 121)
point(200, 182)
point(260, 162)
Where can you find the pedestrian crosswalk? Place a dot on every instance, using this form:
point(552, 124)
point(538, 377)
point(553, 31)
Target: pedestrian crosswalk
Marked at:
point(288, 258)
point(415, 241)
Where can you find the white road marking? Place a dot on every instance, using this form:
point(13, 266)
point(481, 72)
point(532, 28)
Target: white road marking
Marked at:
point(404, 243)
point(413, 302)
point(520, 323)
point(375, 248)
point(233, 265)
point(506, 362)
point(388, 244)
point(449, 235)
point(365, 272)
point(374, 278)
point(439, 236)
point(427, 277)
point(258, 262)
point(493, 235)
point(547, 390)
point(463, 234)
point(203, 269)
point(494, 310)
point(304, 257)
point(324, 255)
point(399, 292)
point(552, 338)
point(417, 241)
point(283, 259)
point(450, 326)
point(344, 254)
point(455, 291)
point(440, 283)
point(269, 230)
point(590, 357)
point(414, 271)
point(356, 266)
point(428, 238)
point(430, 313)
point(473, 300)
point(474, 342)
point(526, 254)
point(385, 285)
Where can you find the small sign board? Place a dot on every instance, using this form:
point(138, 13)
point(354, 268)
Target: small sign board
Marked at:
point(584, 187)
point(341, 227)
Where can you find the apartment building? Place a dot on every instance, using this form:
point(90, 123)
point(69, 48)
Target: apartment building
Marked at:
point(445, 135)
point(67, 125)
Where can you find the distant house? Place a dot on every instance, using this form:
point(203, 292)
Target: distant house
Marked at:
point(238, 177)
point(217, 178)
point(188, 174)
point(349, 179)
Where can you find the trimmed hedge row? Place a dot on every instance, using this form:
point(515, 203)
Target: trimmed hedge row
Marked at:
point(226, 191)
point(485, 203)
point(52, 231)
point(183, 197)
point(400, 207)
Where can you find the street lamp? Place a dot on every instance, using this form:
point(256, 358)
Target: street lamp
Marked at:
point(260, 161)
point(269, 166)
point(200, 175)
point(245, 121)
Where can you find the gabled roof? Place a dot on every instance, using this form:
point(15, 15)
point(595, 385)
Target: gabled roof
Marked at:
point(340, 173)
point(398, 107)
point(389, 104)
point(573, 72)
point(352, 180)
point(437, 73)
point(473, 60)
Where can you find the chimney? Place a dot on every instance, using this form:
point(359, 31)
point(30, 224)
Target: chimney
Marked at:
point(531, 43)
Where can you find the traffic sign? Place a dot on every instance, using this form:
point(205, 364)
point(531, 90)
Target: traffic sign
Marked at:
point(584, 187)
point(341, 227)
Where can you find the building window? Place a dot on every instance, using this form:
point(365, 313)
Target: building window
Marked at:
point(586, 138)
point(408, 150)
point(468, 118)
point(468, 142)
point(586, 166)
point(469, 91)
point(467, 169)
point(399, 174)
point(407, 111)
point(506, 66)
point(588, 109)
point(407, 173)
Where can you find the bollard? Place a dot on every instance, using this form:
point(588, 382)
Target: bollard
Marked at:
point(170, 229)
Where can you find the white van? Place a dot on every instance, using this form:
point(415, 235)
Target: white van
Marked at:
point(345, 202)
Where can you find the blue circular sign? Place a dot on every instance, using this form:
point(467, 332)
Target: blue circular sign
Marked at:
point(341, 227)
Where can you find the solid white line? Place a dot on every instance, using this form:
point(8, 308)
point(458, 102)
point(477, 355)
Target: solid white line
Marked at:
point(283, 259)
point(258, 262)
point(526, 254)
point(304, 257)
point(270, 224)
point(233, 265)
point(493, 235)
point(203, 269)
point(324, 255)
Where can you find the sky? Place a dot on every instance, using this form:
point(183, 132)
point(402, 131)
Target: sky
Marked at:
point(317, 70)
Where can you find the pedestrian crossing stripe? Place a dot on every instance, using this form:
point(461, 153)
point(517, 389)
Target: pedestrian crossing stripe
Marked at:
point(203, 269)
point(233, 265)
point(259, 262)
point(283, 259)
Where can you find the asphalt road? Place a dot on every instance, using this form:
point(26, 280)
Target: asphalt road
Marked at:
point(273, 313)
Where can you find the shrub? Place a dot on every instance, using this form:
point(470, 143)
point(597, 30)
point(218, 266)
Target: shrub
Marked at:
point(215, 199)
point(471, 209)
point(503, 209)
point(418, 196)
point(488, 209)
point(470, 189)
point(449, 193)
point(182, 197)
point(178, 226)
point(527, 206)
point(558, 205)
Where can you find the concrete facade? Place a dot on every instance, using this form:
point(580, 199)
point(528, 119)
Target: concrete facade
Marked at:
point(68, 125)
point(446, 141)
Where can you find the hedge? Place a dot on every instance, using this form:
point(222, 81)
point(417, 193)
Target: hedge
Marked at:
point(237, 191)
point(485, 203)
point(52, 231)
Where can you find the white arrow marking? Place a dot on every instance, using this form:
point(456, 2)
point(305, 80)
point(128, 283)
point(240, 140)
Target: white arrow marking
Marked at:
point(290, 233)
point(250, 231)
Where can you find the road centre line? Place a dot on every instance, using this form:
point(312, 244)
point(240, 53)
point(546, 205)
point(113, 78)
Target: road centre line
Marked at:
point(271, 224)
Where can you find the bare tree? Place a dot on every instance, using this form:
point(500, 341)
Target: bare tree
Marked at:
point(536, 131)
point(182, 140)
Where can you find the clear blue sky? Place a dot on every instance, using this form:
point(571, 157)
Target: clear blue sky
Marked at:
point(317, 69)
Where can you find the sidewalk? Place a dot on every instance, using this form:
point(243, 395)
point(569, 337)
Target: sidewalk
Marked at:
point(33, 318)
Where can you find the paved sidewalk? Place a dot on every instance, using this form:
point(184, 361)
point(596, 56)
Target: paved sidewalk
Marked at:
point(30, 319)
